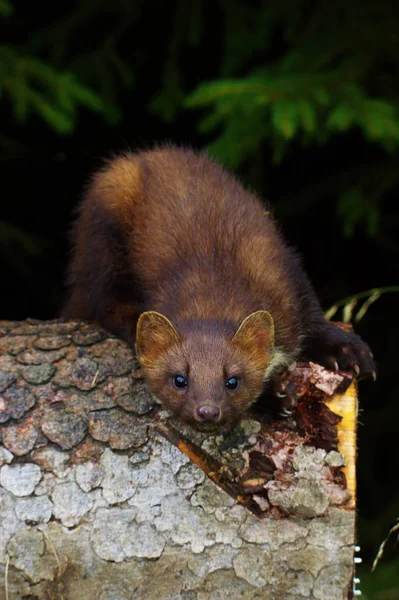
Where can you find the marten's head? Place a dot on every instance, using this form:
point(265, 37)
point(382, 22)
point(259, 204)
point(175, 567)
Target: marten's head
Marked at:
point(202, 373)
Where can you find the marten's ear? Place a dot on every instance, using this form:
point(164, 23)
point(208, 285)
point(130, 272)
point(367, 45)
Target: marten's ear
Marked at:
point(256, 333)
point(154, 334)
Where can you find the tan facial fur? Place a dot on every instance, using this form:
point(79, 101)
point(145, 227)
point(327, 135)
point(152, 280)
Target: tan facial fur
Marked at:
point(206, 358)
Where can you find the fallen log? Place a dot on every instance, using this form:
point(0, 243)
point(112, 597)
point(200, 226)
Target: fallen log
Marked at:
point(104, 495)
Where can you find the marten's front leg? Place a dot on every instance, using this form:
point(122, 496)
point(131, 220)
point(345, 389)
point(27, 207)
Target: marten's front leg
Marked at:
point(330, 346)
point(327, 344)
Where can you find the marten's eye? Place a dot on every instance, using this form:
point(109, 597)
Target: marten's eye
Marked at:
point(232, 383)
point(180, 382)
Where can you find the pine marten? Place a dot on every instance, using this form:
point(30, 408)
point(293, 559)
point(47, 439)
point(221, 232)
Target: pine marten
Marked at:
point(173, 255)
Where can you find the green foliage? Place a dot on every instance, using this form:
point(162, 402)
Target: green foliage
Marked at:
point(31, 86)
point(319, 83)
point(281, 106)
point(365, 299)
point(380, 552)
point(285, 74)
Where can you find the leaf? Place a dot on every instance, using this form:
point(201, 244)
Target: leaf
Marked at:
point(331, 312)
point(348, 310)
point(209, 92)
point(59, 120)
point(380, 552)
point(307, 114)
point(366, 305)
point(341, 117)
point(285, 118)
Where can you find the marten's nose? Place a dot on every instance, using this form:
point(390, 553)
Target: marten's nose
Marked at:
point(207, 413)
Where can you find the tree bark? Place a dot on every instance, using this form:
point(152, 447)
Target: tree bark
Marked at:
point(104, 495)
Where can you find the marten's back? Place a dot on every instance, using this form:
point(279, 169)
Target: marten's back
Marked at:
point(186, 239)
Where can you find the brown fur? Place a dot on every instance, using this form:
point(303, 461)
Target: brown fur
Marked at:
point(170, 234)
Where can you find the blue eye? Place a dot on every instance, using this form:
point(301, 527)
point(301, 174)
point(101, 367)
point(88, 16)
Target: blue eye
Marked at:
point(180, 382)
point(232, 383)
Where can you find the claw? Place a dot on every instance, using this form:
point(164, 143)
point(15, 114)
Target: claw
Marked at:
point(336, 367)
point(285, 413)
point(356, 369)
point(374, 375)
point(281, 395)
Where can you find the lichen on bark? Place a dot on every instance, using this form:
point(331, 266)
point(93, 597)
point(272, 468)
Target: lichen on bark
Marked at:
point(104, 495)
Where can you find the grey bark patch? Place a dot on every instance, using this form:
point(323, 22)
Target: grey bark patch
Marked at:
point(89, 476)
point(109, 527)
point(155, 482)
point(119, 482)
point(121, 430)
point(254, 565)
point(6, 379)
point(5, 456)
point(51, 342)
point(142, 541)
point(88, 335)
point(62, 377)
point(140, 403)
point(26, 548)
point(212, 559)
point(16, 344)
point(63, 428)
point(70, 503)
point(332, 581)
point(117, 363)
point(335, 459)
point(107, 394)
point(171, 456)
point(332, 531)
point(20, 480)
point(35, 509)
point(219, 587)
point(210, 497)
point(194, 527)
point(20, 438)
point(299, 583)
point(114, 592)
point(272, 533)
point(139, 457)
point(189, 476)
point(311, 559)
point(53, 460)
point(18, 399)
point(39, 357)
point(307, 498)
point(248, 427)
point(101, 398)
point(85, 374)
point(46, 484)
point(37, 374)
point(9, 523)
point(307, 458)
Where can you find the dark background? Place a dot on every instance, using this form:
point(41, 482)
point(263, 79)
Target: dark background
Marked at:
point(142, 63)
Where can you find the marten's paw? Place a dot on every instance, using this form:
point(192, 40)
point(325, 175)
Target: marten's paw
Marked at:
point(337, 349)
